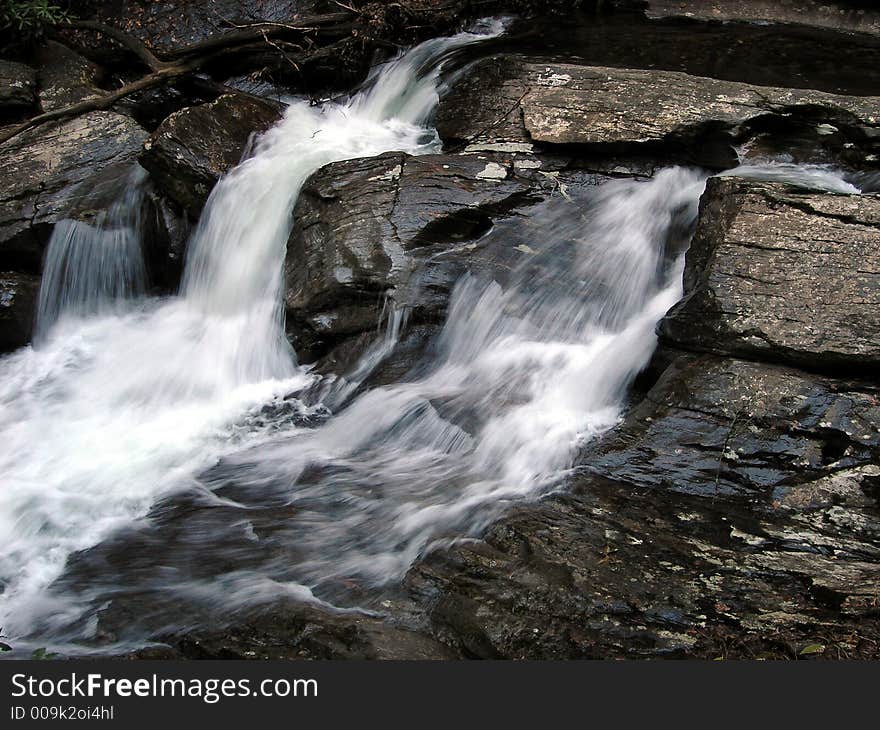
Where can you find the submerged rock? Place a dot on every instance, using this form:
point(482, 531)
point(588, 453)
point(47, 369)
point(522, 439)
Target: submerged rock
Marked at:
point(512, 98)
point(192, 148)
point(18, 307)
point(46, 171)
point(781, 274)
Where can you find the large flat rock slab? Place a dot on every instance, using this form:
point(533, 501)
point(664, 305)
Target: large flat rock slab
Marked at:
point(781, 274)
point(512, 98)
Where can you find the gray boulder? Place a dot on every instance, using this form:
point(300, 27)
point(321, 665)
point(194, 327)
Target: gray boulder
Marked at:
point(64, 77)
point(512, 98)
point(392, 225)
point(780, 274)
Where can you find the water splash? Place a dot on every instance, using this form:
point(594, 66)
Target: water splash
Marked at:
point(176, 425)
point(117, 408)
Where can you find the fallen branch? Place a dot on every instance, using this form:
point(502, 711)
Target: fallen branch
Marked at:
point(186, 60)
point(162, 76)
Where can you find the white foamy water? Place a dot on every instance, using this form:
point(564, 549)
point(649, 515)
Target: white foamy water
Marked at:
point(128, 403)
point(111, 410)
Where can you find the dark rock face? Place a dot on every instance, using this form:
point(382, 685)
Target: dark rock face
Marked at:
point(192, 148)
point(45, 173)
point(511, 98)
point(713, 427)
point(167, 232)
point(855, 16)
point(733, 513)
point(169, 24)
point(302, 632)
point(18, 307)
point(363, 228)
point(18, 85)
point(64, 77)
point(779, 274)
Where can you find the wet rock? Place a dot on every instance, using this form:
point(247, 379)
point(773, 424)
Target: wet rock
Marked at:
point(723, 426)
point(732, 514)
point(512, 98)
point(783, 275)
point(46, 172)
point(304, 632)
point(168, 229)
point(763, 54)
point(18, 85)
point(859, 16)
point(64, 77)
point(169, 24)
point(192, 148)
point(363, 228)
point(18, 307)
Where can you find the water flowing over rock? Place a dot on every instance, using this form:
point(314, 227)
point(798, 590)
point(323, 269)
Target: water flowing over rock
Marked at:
point(407, 401)
point(512, 98)
point(193, 148)
point(44, 173)
point(738, 499)
point(781, 274)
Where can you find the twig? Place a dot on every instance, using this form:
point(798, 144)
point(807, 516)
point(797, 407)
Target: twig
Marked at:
point(724, 448)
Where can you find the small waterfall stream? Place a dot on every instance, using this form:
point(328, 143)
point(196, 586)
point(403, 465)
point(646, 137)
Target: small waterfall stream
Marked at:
point(146, 418)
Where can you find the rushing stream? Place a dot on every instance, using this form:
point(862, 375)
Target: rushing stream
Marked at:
point(156, 450)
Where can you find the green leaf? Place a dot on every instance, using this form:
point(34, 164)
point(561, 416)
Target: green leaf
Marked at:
point(812, 649)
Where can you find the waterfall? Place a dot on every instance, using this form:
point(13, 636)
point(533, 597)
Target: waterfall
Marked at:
point(122, 405)
point(93, 267)
point(123, 408)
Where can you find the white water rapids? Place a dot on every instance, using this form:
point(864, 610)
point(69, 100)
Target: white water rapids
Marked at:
point(169, 431)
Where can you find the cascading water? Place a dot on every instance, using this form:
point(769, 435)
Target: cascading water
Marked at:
point(168, 430)
point(114, 408)
point(94, 267)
